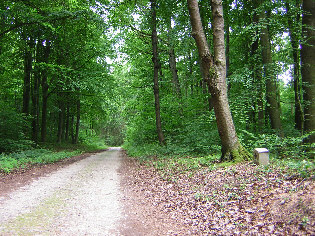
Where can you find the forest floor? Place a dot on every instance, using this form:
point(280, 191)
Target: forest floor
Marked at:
point(111, 194)
point(242, 199)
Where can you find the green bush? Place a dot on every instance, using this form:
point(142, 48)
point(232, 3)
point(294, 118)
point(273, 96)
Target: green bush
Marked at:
point(12, 126)
point(288, 147)
point(9, 162)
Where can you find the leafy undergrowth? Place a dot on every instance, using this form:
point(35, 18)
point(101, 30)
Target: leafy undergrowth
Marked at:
point(51, 153)
point(237, 199)
point(10, 162)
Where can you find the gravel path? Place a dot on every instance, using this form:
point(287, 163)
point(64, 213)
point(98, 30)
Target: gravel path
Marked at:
point(80, 199)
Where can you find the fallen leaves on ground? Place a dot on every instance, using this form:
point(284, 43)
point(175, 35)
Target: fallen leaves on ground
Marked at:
point(236, 200)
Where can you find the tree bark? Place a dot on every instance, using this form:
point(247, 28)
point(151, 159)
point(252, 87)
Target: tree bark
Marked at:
point(271, 80)
point(35, 106)
point(214, 71)
point(226, 8)
point(35, 94)
point(60, 118)
point(77, 125)
point(172, 64)
point(308, 67)
point(27, 77)
point(67, 122)
point(44, 109)
point(257, 71)
point(173, 68)
point(294, 33)
point(155, 56)
point(45, 88)
point(71, 128)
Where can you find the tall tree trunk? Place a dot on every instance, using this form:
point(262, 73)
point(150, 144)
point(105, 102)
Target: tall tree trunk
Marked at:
point(214, 72)
point(67, 122)
point(190, 74)
point(172, 60)
point(27, 76)
point(45, 88)
point(294, 33)
point(257, 71)
point(271, 80)
point(172, 63)
point(35, 94)
point(77, 125)
point(173, 67)
point(71, 128)
point(308, 67)
point(226, 8)
point(35, 106)
point(60, 119)
point(156, 74)
point(44, 113)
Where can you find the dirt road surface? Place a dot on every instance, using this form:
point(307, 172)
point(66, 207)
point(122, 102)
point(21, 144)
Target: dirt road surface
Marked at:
point(83, 198)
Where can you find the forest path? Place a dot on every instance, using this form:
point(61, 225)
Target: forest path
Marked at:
point(80, 199)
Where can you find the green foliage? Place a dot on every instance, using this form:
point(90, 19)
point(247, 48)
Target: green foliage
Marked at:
point(9, 162)
point(288, 147)
point(88, 145)
point(12, 125)
point(92, 142)
point(303, 168)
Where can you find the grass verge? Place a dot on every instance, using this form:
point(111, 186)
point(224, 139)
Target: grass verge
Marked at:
point(171, 164)
point(50, 153)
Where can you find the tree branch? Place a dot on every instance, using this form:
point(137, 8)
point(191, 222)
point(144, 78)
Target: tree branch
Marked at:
point(32, 23)
point(145, 34)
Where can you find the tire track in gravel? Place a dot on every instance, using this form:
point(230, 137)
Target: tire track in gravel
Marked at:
point(80, 199)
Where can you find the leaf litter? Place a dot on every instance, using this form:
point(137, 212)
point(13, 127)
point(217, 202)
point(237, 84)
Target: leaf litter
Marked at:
point(242, 199)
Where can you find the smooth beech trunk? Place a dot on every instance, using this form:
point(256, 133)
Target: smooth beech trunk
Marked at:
point(67, 122)
point(257, 73)
point(60, 119)
point(27, 77)
point(71, 128)
point(173, 68)
point(45, 94)
point(214, 72)
point(226, 9)
point(35, 93)
point(172, 62)
point(35, 105)
point(44, 108)
point(308, 67)
point(77, 125)
point(294, 32)
point(271, 80)
point(155, 60)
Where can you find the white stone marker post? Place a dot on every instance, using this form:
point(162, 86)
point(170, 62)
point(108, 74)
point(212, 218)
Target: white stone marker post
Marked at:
point(261, 156)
